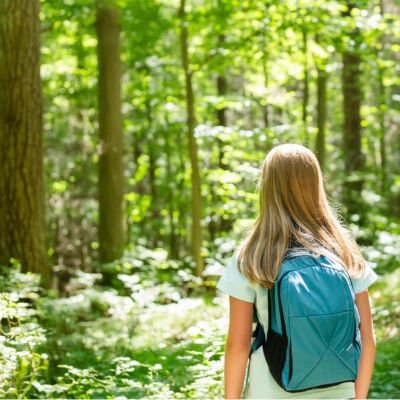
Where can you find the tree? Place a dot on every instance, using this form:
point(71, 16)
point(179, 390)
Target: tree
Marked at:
point(306, 90)
point(191, 120)
point(321, 110)
point(111, 174)
point(352, 96)
point(22, 183)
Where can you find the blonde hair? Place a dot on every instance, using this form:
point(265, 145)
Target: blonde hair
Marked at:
point(293, 206)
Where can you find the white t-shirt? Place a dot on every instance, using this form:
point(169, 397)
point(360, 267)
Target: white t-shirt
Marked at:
point(260, 383)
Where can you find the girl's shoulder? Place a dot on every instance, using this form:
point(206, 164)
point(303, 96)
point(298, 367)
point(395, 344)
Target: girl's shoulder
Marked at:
point(235, 283)
point(367, 278)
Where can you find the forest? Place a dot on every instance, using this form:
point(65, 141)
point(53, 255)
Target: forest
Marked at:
point(131, 138)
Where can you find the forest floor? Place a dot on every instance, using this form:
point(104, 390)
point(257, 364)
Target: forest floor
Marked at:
point(149, 341)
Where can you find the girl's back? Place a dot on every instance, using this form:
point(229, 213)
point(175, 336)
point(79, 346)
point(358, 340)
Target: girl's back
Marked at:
point(294, 212)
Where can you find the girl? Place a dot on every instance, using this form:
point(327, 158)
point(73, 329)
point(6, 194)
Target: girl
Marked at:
point(294, 212)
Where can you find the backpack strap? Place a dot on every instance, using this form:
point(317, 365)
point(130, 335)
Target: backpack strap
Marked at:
point(258, 333)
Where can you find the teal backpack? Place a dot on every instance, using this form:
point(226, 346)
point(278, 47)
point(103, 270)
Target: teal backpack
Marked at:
point(313, 338)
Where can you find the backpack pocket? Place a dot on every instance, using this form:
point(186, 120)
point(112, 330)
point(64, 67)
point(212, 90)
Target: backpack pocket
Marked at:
point(275, 353)
point(322, 350)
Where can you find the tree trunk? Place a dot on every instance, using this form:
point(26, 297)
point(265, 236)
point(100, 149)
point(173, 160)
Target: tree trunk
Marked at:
point(266, 116)
point(171, 190)
point(382, 110)
point(353, 157)
point(221, 116)
point(321, 116)
point(155, 208)
point(22, 181)
point(216, 222)
point(221, 89)
point(382, 129)
point(305, 87)
point(196, 194)
point(111, 177)
point(180, 200)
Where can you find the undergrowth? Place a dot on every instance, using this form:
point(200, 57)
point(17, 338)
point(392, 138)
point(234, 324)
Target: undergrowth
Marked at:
point(155, 331)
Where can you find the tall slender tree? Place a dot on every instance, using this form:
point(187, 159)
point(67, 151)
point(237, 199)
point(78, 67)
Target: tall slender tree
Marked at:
point(321, 109)
point(191, 120)
point(111, 173)
point(352, 96)
point(22, 189)
point(382, 106)
point(306, 90)
point(321, 116)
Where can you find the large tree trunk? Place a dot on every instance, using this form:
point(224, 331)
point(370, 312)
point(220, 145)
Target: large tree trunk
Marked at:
point(196, 194)
point(22, 188)
point(353, 157)
point(352, 120)
point(111, 177)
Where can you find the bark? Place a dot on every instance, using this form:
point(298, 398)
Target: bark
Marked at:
point(111, 177)
point(321, 112)
point(221, 90)
point(191, 120)
point(153, 156)
point(216, 222)
point(171, 190)
point(22, 181)
point(382, 129)
point(221, 116)
point(266, 116)
point(221, 112)
point(305, 87)
point(382, 111)
point(353, 157)
point(181, 204)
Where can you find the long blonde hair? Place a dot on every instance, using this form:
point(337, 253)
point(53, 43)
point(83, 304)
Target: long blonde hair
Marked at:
point(293, 206)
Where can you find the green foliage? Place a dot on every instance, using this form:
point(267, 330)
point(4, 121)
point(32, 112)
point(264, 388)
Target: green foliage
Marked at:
point(21, 334)
point(259, 49)
point(155, 329)
point(139, 340)
point(386, 314)
point(380, 246)
point(148, 338)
